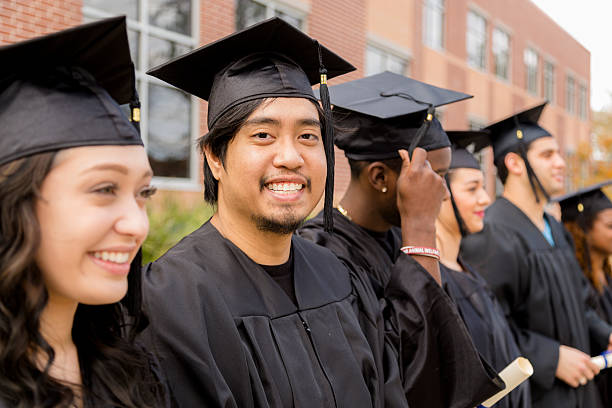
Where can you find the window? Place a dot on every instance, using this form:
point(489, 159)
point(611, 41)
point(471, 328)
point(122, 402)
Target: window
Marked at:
point(549, 81)
point(570, 94)
point(501, 54)
point(433, 23)
point(475, 123)
point(379, 60)
point(159, 30)
point(249, 12)
point(531, 71)
point(476, 40)
point(582, 102)
point(439, 115)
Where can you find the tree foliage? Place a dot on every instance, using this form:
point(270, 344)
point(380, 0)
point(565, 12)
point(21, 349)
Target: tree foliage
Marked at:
point(601, 146)
point(170, 219)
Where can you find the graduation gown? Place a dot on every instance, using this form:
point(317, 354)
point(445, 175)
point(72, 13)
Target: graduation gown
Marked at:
point(543, 294)
point(439, 365)
point(227, 335)
point(487, 325)
point(603, 305)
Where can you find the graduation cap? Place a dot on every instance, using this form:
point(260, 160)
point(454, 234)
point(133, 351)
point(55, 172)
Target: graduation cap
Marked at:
point(267, 60)
point(386, 112)
point(63, 90)
point(514, 134)
point(586, 202)
point(522, 127)
point(464, 144)
point(582, 206)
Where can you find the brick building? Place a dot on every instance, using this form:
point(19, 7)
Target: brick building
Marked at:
point(509, 54)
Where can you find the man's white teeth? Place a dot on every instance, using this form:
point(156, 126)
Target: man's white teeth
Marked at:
point(115, 257)
point(285, 187)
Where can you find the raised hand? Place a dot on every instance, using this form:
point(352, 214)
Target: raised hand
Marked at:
point(420, 192)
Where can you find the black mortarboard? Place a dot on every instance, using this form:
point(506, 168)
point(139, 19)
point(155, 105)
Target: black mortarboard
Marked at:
point(507, 133)
point(389, 95)
point(386, 112)
point(464, 141)
point(585, 202)
point(267, 60)
point(464, 144)
point(366, 137)
point(514, 134)
point(63, 90)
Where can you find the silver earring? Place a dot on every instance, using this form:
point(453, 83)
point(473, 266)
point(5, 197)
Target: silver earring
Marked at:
point(384, 189)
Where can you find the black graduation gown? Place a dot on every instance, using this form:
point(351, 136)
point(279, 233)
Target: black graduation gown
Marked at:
point(543, 294)
point(227, 335)
point(603, 306)
point(439, 365)
point(487, 325)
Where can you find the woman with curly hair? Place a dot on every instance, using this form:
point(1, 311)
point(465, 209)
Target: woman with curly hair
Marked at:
point(587, 215)
point(74, 179)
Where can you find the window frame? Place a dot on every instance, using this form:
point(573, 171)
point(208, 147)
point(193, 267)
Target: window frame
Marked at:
point(295, 8)
point(389, 49)
point(429, 7)
point(144, 29)
point(533, 91)
point(570, 108)
point(485, 39)
point(505, 32)
point(545, 77)
point(583, 101)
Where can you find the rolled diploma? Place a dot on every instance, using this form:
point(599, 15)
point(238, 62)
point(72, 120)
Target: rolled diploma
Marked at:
point(513, 375)
point(604, 360)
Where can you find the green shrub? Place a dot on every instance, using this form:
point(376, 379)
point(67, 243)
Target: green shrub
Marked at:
point(169, 222)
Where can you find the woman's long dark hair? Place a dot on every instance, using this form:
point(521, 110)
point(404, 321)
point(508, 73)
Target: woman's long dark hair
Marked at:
point(115, 372)
point(583, 251)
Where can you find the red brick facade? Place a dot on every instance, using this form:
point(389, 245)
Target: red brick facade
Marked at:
point(494, 98)
point(346, 26)
point(22, 19)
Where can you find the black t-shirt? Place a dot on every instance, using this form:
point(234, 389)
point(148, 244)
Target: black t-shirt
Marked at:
point(283, 275)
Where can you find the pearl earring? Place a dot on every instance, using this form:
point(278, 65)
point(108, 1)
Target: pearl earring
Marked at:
point(384, 189)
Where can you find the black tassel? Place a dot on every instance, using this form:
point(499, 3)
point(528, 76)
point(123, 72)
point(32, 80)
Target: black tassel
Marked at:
point(422, 130)
point(460, 222)
point(132, 301)
point(328, 142)
point(533, 179)
point(429, 116)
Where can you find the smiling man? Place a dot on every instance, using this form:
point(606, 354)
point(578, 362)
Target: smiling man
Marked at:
point(529, 262)
point(243, 313)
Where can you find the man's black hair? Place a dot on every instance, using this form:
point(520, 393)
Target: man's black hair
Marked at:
point(357, 166)
point(218, 138)
point(502, 170)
